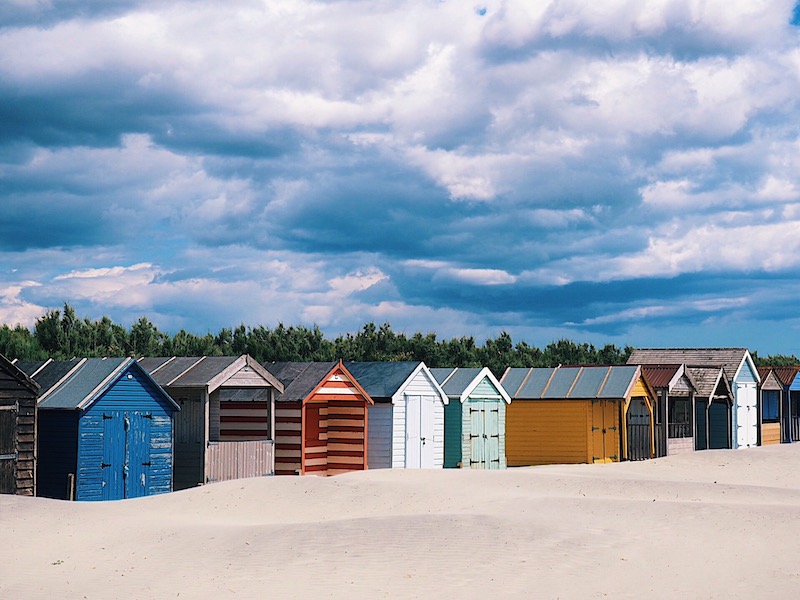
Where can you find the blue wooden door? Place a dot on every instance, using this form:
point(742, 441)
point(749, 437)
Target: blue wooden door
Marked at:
point(126, 454)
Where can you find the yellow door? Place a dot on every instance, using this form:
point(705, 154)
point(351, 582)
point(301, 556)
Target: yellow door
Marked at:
point(605, 431)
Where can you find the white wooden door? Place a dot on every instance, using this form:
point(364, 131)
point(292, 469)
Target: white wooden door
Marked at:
point(428, 443)
point(747, 416)
point(413, 432)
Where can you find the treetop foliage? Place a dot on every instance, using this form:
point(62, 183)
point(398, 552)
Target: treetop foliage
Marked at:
point(60, 334)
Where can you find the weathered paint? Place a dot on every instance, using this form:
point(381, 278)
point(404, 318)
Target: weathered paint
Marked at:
point(125, 442)
point(17, 431)
point(475, 431)
point(239, 459)
point(380, 435)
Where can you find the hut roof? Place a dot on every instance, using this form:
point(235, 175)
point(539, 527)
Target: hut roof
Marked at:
point(707, 379)
point(299, 379)
point(382, 380)
point(18, 374)
point(82, 382)
point(459, 382)
point(731, 359)
point(202, 371)
point(578, 382)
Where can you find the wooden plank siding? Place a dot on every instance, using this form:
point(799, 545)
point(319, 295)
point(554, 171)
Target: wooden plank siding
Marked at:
point(335, 437)
point(542, 432)
point(288, 438)
point(18, 435)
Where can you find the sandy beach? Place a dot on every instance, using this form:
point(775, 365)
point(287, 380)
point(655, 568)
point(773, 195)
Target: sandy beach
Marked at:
point(713, 524)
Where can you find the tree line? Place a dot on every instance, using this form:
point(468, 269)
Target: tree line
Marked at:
point(61, 334)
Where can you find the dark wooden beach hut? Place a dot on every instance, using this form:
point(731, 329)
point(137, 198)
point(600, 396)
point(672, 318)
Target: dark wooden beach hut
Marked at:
point(225, 429)
point(18, 394)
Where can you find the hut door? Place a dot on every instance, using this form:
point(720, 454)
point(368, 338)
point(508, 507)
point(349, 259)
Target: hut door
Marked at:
point(701, 425)
point(136, 471)
point(477, 434)
point(126, 454)
point(638, 423)
point(492, 435)
point(420, 445)
point(113, 456)
point(718, 425)
point(746, 416)
point(8, 449)
point(605, 431)
point(315, 439)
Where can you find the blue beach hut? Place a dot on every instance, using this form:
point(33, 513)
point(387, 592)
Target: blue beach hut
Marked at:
point(105, 430)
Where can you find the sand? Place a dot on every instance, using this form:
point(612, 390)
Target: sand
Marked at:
point(713, 524)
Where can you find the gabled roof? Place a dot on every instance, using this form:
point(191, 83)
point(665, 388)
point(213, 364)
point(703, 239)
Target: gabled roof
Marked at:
point(578, 383)
point(302, 379)
point(666, 376)
point(732, 359)
point(19, 375)
point(785, 375)
point(459, 382)
point(85, 381)
point(707, 379)
point(202, 371)
point(384, 380)
point(49, 372)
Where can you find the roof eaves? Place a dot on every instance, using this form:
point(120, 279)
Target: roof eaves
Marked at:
point(104, 384)
point(61, 381)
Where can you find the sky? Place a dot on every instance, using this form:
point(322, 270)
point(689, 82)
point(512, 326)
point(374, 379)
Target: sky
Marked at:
point(617, 172)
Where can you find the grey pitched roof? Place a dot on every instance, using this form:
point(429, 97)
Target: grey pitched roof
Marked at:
point(83, 382)
point(706, 379)
point(200, 371)
point(381, 380)
point(455, 381)
point(571, 382)
point(18, 374)
point(299, 378)
point(729, 358)
point(48, 373)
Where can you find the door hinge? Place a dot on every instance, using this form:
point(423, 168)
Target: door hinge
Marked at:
point(147, 416)
point(104, 465)
point(595, 428)
point(147, 464)
point(105, 416)
point(613, 428)
point(613, 457)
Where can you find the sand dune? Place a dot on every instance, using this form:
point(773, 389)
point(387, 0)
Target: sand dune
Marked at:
point(716, 524)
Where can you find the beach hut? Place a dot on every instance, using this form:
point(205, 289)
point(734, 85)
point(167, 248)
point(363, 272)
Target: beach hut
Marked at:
point(321, 424)
point(776, 398)
point(794, 408)
point(580, 414)
point(105, 430)
point(674, 409)
point(225, 427)
point(742, 377)
point(18, 394)
point(772, 403)
point(713, 408)
point(406, 421)
point(475, 418)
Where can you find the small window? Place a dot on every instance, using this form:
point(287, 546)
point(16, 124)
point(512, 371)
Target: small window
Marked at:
point(769, 405)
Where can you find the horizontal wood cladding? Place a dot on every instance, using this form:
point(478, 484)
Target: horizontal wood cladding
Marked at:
point(547, 432)
point(18, 432)
point(770, 434)
point(288, 439)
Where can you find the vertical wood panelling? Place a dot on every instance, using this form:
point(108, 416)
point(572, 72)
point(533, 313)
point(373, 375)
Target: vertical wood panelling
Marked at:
point(541, 432)
point(236, 460)
point(189, 438)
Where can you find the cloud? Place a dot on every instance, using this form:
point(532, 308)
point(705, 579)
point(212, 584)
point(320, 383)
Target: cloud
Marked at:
point(548, 167)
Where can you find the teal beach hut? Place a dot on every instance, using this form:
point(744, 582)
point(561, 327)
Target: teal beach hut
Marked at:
point(474, 418)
